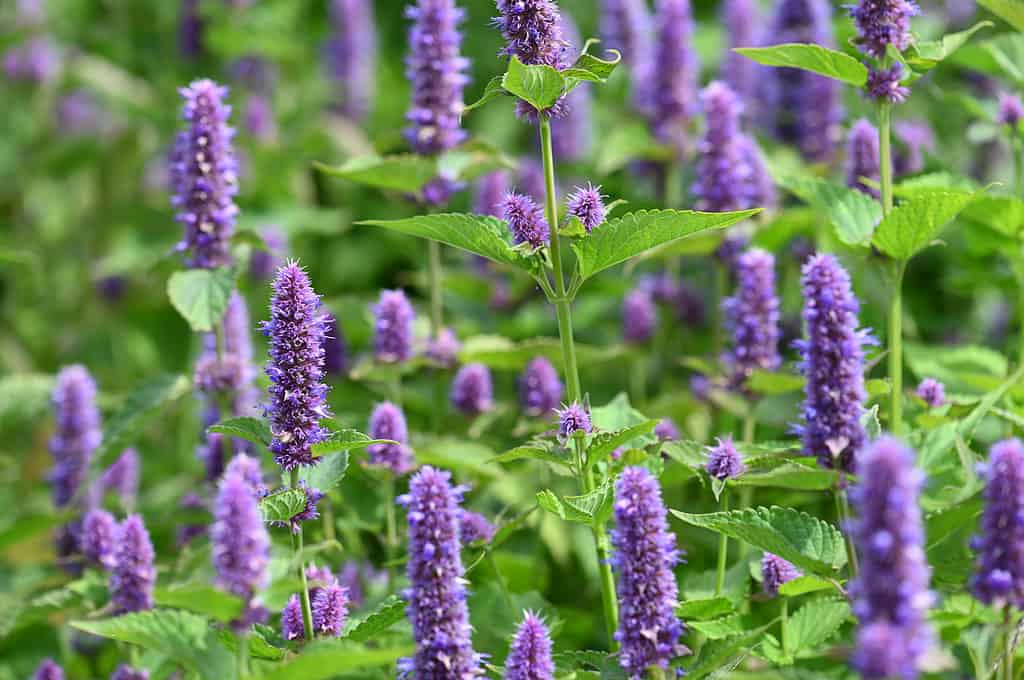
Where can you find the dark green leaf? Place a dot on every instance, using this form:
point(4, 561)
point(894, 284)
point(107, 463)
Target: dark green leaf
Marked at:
point(810, 57)
point(913, 225)
point(138, 408)
point(406, 173)
point(802, 585)
point(605, 442)
point(816, 622)
point(388, 613)
point(201, 295)
point(593, 508)
point(591, 68)
point(250, 429)
point(282, 505)
point(537, 84)
point(702, 610)
point(324, 659)
point(970, 423)
point(853, 213)
point(790, 476)
point(328, 473)
point(529, 452)
point(200, 598)
point(346, 440)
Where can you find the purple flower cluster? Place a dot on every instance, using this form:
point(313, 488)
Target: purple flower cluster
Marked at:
point(776, 571)
point(292, 625)
point(240, 543)
point(121, 478)
point(472, 392)
point(573, 418)
point(490, 193)
point(724, 177)
point(884, 84)
point(77, 432)
point(393, 340)
point(529, 656)
point(474, 528)
point(932, 392)
point(298, 398)
point(98, 536)
point(862, 157)
point(1011, 109)
point(444, 349)
point(890, 594)
point(388, 422)
point(667, 431)
point(639, 316)
point(626, 27)
point(330, 608)
point(351, 55)
point(134, 575)
point(881, 23)
point(587, 204)
point(533, 30)
point(48, 670)
point(913, 138)
point(832, 360)
point(540, 390)
point(645, 555)
point(724, 461)
point(36, 61)
point(525, 220)
point(670, 88)
point(999, 574)
point(437, 593)
point(752, 316)
point(205, 176)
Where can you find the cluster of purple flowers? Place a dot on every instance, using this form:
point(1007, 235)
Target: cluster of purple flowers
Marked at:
point(752, 316)
point(540, 390)
point(932, 392)
point(134, 575)
point(775, 572)
point(525, 220)
point(329, 602)
point(350, 55)
point(472, 391)
point(999, 575)
point(670, 84)
point(529, 656)
point(393, 336)
point(862, 157)
point(388, 422)
point(724, 461)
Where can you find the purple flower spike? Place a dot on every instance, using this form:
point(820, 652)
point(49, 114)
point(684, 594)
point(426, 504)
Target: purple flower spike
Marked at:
point(1011, 109)
point(639, 317)
point(890, 594)
point(588, 205)
point(388, 422)
point(437, 593)
point(525, 220)
point(723, 175)
point(248, 468)
point(186, 532)
point(724, 461)
point(330, 607)
point(225, 374)
point(351, 55)
point(298, 397)
point(335, 347)
point(540, 390)
point(932, 392)
point(126, 672)
point(99, 532)
point(529, 657)
point(832, 360)
point(490, 193)
point(881, 23)
point(393, 327)
point(645, 555)
point(133, 575)
point(122, 478)
point(444, 349)
point(474, 528)
point(999, 572)
point(667, 430)
point(752, 316)
point(862, 157)
point(292, 626)
point(351, 580)
point(741, 19)
point(205, 175)
point(48, 670)
point(626, 26)
point(241, 546)
point(573, 418)
point(533, 30)
point(672, 83)
point(884, 84)
point(472, 392)
point(77, 432)
point(776, 571)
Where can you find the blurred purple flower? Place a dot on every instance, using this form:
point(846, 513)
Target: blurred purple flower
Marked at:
point(672, 81)
point(48, 670)
point(472, 392)
point(741, 19)
point(330, 607)
point(134, 575)
point(474, 527)
point(490, 192)
point(1011, 109)
point(263, 264)
point(444, 349)
point(388, 422)
point(884, 84)
point(639, 317)
point(351, 56)
point(862, 157)
point(335, 347)
point(99, 531)
point(752, 317)
point(529, 656)
point(881, 23)
point(76, 433)
point(393, 341)
point(540, 390)
point(932, 392)
point(723, 176)
point(999, 571)
point(667, 431)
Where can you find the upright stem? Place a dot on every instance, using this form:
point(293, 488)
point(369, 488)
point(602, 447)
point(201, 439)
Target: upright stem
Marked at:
point(563, 311)
point(1008, 644)
point(243, 655)
point(723, 548)
point(784, 626)
point(885, 154)
point(307, 611)
point(500, 579)
point(843, 516)
point(391, 528)
point(747, 492)
point(896, 349)
point(436, 272)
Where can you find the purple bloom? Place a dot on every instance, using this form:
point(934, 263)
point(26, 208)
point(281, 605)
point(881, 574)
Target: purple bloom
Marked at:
point(437, 594)
point(474, 527)
point(890, 594)
point(724, 461)
point(525, 220)
point(529, 656)
point(729, 251)
point(752, 316)
point(639, 316)
point(587, 204)
point(258, 117)
point(760, 185)
point(298, 397)
point(999, 571)
point(862, 157)
point(351, 580)
point(741, 19)
point(335, 347)
point(776, 571)
point(914, 137)
point(700, 386)
point(667, 431)
point(444, 349)
point(99, 531)
point(490, 193)
point(388, 422)
point(241, 546)
point(472, 392)
point(264, 263)
point(126, 672)
point(932, 392)
point(881, 23)
point(36, 61)
point(832, 360)
point(884, 84)
point(533, 30)
point(78, 114)
point(48, 670)
point(205, 175)
point(329, 610)
point(393, 327)
point(226, 374)
point(122, 477)
point(1011, 109)
point(573, 418)
point(645, 555)
point(723, 175)
point(211, 447)
point(248, 469)
point(351, 56)
point(292, 626)
point(133, 575)
point(671, 85)
point(626, 27)
point(77, 432)
point(540, 390)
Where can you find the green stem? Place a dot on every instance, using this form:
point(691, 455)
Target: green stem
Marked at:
point(1008, 644)
point(896, 349)
point(885, 154)
point(784, 626)
point(501, 580)
point(723, 548)
point(391, 528)
point(747, 492)
point(674, 185)
point(749, 425)
point(563, 310)
point(638, 381)
point(243, 655)
point(436, 273)
point(307, 612)
point(843, 516)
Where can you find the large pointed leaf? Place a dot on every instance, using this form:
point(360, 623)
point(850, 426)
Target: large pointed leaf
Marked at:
point(929, 54)
point(328, 473)
point(282, 505)
point(1010, 11)
point(333, 658)
point(388, 613)
point(250, 429)
point(913, 225)
point(624, 237)
point(539, 85)
point(493, 90)
point(200, 598)
point(854, 214)
point(591, 68)
point(407, 173)
point(201, 295)
point(810, 57)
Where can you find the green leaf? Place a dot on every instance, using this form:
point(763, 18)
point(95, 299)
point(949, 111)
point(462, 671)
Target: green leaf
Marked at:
point(810, 57)
point(346, 440)
point(722, 656)
point(324, 659)
point(24, 397)
point(201, 295)
point(790, 476)
point(531, 452)
point(591, 68)
point(328, 473)
point(913, 225)
point(702, 610)
point(853, 213)
point(388, 613)
point(802, 585)
point(493, 90)
point(186, 638)
point(816, 622)
point(624, 237)
point(200, 598)
point(1010, 11)
point(250, 429)
point(282, 505)
point(593, 508)
point(138, 408)
point(537, 84)
point(24, 528)
point(772, 382)
point(407, 173)
point(924, 56)
point(717, 629)
point(969, 424)
point(498, 352)
point(484, 236)
point(605, 442)
point(808, 542)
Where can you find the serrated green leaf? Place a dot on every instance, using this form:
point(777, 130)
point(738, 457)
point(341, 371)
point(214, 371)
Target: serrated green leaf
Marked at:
point(537, 84)
point(492, 90)
point(1010, 11)
point(914, 224)
point(328, 473)
point(200, 598)
point(138, 408)
point(808, 542)
point(388, 613)
point(346, 440)
point(722, 655)
point(201, 295)
point(407, 173)
point(853, 213)
point(816, 622)
point(722, 627)
point(693, 455)
point(250, 429)
point(591, 509)
point(324, 659)
point(702, 610)
point(790, 476)
point(634, 233)
point(282, 505)
point(810, 57)
point(605, 442)
point(926, 55)
point(802, 585)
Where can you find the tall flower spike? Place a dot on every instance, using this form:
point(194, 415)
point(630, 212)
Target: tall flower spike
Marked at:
point(351, 55)
point(392, 340)
point(48, 670)
point(388, 422)
point(126, 672)
point(330, 607)
point(241, 545)
point(533, 31)
point(437, 594)
point(99, 533)
point(672, 81)
point(626, 27)
point(890, 594)
point(760, 185)
point(529, 656)
point(724, 461)
point(77, 432)
point(572, 133)
point(639, 316)
point(862, 157)
point(999, 573)
point(775, 572)
point(723, 175)
point(205, 175)
point(540, 390)
point(741, 19)
point(122, 478)
point(752, 316)
point(881, 23)
point(292, 625)
point(472, 392)
point(525, 220)
point(645, 555)
point(490, 192)
point(832, 360)
point(587, 204)
point(298, 397)
point(133, 576)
